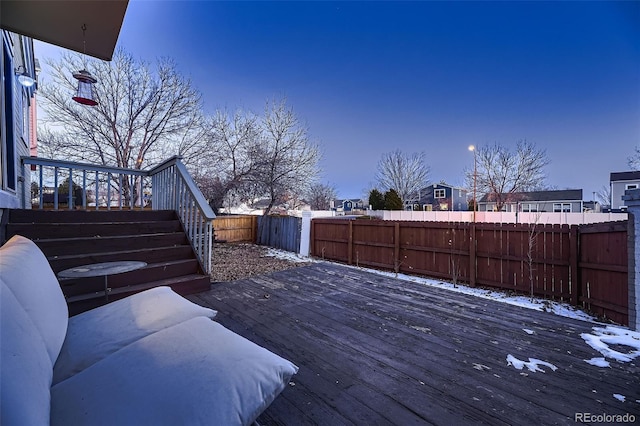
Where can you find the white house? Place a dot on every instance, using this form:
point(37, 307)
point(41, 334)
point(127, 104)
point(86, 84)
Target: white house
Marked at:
point(620, 182)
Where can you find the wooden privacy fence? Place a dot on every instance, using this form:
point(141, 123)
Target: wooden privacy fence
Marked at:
point(235, 228)
point(281, 232)
point(578, 264)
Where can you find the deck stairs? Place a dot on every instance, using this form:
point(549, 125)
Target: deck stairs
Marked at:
point(81, 237)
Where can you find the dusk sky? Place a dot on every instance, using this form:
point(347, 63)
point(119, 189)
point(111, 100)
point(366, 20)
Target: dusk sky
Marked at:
point(370, 77)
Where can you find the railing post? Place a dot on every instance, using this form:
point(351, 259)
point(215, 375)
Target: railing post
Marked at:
point(632, 201)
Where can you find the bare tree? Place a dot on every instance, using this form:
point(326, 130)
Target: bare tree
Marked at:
point(288, 161)
point(231, 158)
point(406, 174)
point(634, 160)
point(604, 195)
point(141, 114)
point(502, 173)
point(320, 195)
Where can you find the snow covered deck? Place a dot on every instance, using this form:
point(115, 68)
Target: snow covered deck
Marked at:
point(373, 349)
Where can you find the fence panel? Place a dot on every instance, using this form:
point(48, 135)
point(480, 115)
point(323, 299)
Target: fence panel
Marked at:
point(235, 228)
point(281, 232)
point(330, 239)
point(603, 270)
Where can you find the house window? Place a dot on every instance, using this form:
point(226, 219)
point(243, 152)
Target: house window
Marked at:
point(631, 186)
point(428, 207)
point(439, 193)
point(562, 207)
point(529, 208)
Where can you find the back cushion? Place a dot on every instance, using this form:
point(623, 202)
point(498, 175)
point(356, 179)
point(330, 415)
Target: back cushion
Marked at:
point(25, 367)
point(26, 271)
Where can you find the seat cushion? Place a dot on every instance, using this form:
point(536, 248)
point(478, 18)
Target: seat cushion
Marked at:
point(26, 271)
point(95, 334)
point(25, 366)
point(196, 372)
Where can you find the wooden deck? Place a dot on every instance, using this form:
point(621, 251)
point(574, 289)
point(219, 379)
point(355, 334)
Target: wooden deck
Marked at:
point(374, 350)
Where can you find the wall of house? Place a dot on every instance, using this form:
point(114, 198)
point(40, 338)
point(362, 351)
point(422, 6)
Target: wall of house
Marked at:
point(617, 191)
point(16, 132)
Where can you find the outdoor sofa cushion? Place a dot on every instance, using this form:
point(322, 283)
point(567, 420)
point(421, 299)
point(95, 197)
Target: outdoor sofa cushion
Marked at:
point(161, 378)
point(26, 271)
point(25, 366)
point(95, 334)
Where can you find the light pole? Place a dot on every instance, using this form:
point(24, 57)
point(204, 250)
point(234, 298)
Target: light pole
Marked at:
point(475, 177)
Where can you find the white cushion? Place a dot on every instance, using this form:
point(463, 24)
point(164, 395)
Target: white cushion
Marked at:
point(26, 271)
point(25, 366)
point(93, 335)
point(196, 372)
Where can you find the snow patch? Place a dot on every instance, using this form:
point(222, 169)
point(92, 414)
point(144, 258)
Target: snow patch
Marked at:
point(526, 330)
point(619, 397)
point(532, 365)
point(287, 255)
point(598, 362)
point(601, 338)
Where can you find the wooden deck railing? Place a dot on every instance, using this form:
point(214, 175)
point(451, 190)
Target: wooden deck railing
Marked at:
point(71, 185)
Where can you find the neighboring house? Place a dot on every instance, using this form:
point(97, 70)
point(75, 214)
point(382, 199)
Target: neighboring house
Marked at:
point(17, 129)
point(440, 197)
point(563, 201)
point(348, 205)
point(620, 182)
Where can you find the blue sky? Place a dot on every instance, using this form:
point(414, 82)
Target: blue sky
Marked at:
point(370, 77)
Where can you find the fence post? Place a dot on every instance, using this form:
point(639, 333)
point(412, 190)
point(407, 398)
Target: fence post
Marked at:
point(396, 247)
point(632, 201)
point(574, 258)
point(350, 243)
point(472, 255)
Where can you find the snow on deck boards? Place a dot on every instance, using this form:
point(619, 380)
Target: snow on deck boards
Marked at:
point(376, 350)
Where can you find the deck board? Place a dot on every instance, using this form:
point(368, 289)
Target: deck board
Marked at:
point(376, 350)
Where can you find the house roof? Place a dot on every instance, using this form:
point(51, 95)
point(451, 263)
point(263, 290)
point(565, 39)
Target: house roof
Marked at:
point(559, 195)
point(616, 176)
point(60, 22)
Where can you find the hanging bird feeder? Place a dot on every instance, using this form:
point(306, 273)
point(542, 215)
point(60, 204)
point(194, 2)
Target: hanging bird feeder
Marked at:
point(84, 94)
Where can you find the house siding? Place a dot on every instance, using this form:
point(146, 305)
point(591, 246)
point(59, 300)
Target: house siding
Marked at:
point(617, 191)
point(17, 133)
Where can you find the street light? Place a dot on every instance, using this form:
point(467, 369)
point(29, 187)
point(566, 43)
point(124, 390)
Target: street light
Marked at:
point(475, 178)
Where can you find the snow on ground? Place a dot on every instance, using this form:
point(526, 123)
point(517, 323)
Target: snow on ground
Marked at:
point(602, 337)
point(287, 255)
point(535, 303)
point(533, 364)
point(562, 309)
point(598, 362)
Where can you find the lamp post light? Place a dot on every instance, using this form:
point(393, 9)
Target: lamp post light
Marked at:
point(475, 178)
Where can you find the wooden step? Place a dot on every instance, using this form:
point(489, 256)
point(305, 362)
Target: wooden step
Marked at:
point(152, 272)
point(89, 216)
point(36, 231)
point(154, 255)
point(184, 285)
point(84, 245)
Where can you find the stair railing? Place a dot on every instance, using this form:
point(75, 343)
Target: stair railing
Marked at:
point(169, 186)
point(174, 189)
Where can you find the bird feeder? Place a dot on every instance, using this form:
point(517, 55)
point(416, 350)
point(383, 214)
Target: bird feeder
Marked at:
point(84, 94)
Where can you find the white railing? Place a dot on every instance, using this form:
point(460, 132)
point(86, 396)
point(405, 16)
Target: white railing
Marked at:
point(168, 186)
point(176, 190)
